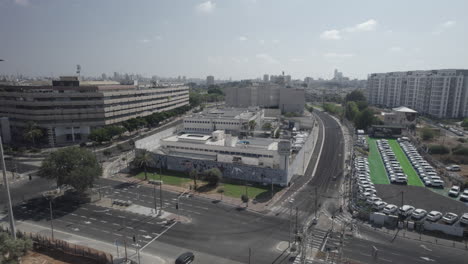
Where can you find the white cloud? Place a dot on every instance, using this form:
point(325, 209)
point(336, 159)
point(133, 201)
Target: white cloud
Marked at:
point(22, 2)
point(261, 41)
point(266, 58)
point(144, 41)
point(158, 37)
point(369, 25)
point(444, 26)
point(331, 34)
point(395, 49)
point(206, 7)
point(242, 38)
point(333, 55)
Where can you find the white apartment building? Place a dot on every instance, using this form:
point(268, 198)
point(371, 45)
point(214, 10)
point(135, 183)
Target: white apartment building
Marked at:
point(438, 93)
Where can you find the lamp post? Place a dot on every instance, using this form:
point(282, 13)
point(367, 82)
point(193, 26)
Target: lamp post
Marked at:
point(7, 187)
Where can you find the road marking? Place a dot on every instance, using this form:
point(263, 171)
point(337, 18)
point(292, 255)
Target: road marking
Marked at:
point(117, 234)
point(364, 254)
point(156, 237)
point(426, 248)
point(143, 231)
point(387, 260)
point(129, 227)
point(115, 224)
point(427, 259)
point(121, 216)
point(104, 222)
point(84, 208)
point(92, 219)
point(87, 222)
point(73, 214)
point(82, 216)
point(108, 214)
point(396, 254)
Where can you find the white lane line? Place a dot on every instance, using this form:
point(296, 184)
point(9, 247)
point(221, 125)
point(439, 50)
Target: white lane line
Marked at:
point(387, 260)
point(92, 219)
point(129, 227)
point(104, 222)
point(82, 216)
point(156, 237)
point(364, 254)
point(108, 214)
point(121, 216)
point(117, 234)
point(73, 214)
point(143, 231)
point(105, 231)
point(115, 224)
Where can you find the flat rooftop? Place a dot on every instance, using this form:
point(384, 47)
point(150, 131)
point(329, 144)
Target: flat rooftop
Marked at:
point(229, 113)
point(250, 143)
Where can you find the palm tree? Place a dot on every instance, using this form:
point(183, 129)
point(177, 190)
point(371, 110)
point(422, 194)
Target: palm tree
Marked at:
point(143, 160)
point(32, 132)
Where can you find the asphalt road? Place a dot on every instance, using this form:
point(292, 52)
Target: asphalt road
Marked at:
point(398, 250)
point(325, 183)
point(214, 228)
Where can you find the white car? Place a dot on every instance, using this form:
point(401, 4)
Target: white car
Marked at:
point(464, 196)
point(371, 200)
point(453, 168)
point(406, 210)
point(379, 205)
point(434, 216)
point(390, 209)
point(450, 218)
point(464, 219)
point(419, 213)
point(437, 183)
point(454, 191)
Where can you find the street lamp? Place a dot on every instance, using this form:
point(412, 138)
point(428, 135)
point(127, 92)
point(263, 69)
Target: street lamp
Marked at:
point(7, 187)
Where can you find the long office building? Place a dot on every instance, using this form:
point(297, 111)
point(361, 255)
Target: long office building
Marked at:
point(69, 109)
point(437, 93)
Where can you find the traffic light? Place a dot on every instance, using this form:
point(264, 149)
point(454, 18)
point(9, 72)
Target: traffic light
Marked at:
point(30, 177)
point(134, 238)
point(177, 206)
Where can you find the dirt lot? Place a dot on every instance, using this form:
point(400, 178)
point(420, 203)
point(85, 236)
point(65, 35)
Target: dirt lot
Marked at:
point(55, 257)
point(420, 197)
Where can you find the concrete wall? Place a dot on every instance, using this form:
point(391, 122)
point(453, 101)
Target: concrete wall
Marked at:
point(152, 142)
point(292, 100)
point(229, 170)
point(454, 230)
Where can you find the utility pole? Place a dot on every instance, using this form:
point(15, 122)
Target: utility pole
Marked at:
point(250, 254)
point(51, 217)
point(7, 187)
point(316, 196)
point(154, 197)
point(290, 221)
point(296, 230)
point(125, 246)
point(401, 198)
point(160, 193)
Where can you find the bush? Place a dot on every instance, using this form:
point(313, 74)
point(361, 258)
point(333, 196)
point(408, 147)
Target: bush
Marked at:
point(427, 133)
point(460, 150)
point(213, 176)
point(245, 198)
point(462, 140)
point(438, 149)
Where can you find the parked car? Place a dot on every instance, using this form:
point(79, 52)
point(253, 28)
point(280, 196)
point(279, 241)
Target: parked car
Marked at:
point(464, 219)
point(437, 183)
point(379, 205)
point(450, 218)
point(453, 168)
point(464, 196)
point(390, 209)
point(406, 210)
point(434, 216)
point(419, 213)
point(454, 191)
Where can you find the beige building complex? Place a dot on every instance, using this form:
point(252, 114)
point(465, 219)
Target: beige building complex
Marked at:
point(438, 93)
point(69, 108)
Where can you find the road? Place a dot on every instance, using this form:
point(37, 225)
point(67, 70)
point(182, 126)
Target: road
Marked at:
point(214, 228)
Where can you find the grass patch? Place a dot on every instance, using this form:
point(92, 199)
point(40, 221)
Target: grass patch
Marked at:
point(376, 165)
point(413, 178)
point(168, 177)
point(257, 192)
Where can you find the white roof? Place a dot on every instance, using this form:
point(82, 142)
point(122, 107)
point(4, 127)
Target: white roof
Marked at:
point(404, 109)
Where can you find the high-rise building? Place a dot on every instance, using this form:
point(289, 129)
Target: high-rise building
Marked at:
point(210, 80)
point(266, 78)
point(69, 108)
point(439, 93)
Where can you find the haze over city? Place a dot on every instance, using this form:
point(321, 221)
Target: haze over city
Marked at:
point(238, 39)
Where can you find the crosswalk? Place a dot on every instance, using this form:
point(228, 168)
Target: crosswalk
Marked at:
point(316, 239)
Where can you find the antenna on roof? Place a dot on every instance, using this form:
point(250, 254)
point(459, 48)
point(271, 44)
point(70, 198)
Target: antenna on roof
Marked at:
point(78, 70)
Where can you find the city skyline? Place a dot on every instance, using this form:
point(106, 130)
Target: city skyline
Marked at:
point(229, 39)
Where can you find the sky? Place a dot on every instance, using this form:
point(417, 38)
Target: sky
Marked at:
point(238, 39)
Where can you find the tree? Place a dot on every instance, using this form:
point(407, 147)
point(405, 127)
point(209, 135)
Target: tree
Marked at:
point(438, 149)
point(99, 135)
point(12, 250)
point(143, 160)
point(32, 132)
point(245, 199)
point(427, 133)
point(464, 122)
point(194, 175)
point(364, 119)
point(72, 166)
point(213, 176)
point(352, 110)
point(266, 126)
point(252, 124)
point(355, 96)
point(221, 191)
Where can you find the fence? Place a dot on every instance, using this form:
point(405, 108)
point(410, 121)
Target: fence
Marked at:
point(48, 243)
